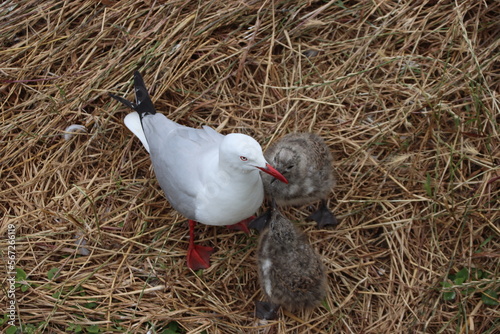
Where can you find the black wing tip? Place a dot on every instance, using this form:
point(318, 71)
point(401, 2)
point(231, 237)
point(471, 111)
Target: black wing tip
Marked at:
point(138, 80)
point(129, 104)
point(143, 104)
point(142, 100)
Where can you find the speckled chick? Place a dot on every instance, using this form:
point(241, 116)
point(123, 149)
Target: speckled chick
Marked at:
point(291, 273)
point(306, 161)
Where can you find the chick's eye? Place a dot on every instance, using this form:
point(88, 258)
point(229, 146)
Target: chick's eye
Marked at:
point(242, 158)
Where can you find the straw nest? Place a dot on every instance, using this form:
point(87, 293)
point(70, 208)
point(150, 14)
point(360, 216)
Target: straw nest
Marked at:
point(406, 95)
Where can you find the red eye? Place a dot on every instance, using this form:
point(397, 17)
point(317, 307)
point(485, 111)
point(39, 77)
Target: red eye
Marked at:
point(242, 158)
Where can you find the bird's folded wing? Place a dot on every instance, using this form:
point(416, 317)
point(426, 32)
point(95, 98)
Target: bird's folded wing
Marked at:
point(182, 157)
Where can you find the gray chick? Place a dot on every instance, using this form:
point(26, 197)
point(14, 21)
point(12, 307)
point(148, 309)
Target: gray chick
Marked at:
point(291, 273)
point(306, 162)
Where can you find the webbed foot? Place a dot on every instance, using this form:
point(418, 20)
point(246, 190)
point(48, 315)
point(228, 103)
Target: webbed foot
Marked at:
point(266, 310)
point(260, 222)
point(242, 225)
point(323, 216)
point(198, 257)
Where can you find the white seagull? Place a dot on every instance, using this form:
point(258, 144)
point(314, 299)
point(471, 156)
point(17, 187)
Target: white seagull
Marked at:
point(206, 176)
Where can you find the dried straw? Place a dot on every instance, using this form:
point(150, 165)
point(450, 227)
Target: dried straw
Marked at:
point(405, 93)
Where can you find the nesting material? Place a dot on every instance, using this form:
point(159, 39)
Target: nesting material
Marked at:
point(291, 273)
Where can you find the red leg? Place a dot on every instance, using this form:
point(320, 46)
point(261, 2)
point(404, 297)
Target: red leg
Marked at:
point(242, 225)
point(198, 257)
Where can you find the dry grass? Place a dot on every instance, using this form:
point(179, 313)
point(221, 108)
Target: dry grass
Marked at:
point(405, 93)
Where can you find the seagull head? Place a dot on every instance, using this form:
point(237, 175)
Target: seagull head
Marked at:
point(243, 153)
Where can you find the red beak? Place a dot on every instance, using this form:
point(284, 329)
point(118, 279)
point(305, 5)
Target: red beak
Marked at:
point(273, 172)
